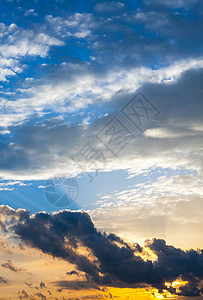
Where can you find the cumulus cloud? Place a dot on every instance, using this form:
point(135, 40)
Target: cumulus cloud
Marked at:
point(135, 48)
point(17, 43)
point(112, 261)
point(77, 25)
point(9, 215)
point(112, 66)
point(26, 42)
point(30, 12)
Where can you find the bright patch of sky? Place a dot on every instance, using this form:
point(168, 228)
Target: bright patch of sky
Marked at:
point(66, 68)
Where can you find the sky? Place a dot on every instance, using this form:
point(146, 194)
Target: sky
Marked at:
point(101, 139)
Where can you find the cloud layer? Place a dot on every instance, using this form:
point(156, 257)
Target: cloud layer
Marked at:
point(110, 261)
point(173, 139)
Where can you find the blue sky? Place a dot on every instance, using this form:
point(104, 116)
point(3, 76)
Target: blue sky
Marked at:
point(68, 68)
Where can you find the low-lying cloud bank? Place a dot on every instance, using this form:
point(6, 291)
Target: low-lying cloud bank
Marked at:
point(109, 260)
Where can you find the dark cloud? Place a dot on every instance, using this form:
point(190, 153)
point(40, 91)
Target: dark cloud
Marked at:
point(23, 295)
point(54, 242)
point(42, 285)
point(89, 297)
point(72, 273)
point(41, 296)
point(29, 285)
point(3, 280)
point(115, 262)
point(190, 290)
point(75, 285)
point(10, 265)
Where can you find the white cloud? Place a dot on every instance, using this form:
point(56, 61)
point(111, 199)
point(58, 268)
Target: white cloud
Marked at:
point(167, 133)
point(46, 149)
point(16, 43)
point(82, 34)
point(77, 25)
point(85, 88)
point(4, 132)
point(10, 185)
point(30, 12)
point(26, 42)
point(179, 222)
point(4, 73)
point(167, 189)
point(152, 20)
point(168, 207)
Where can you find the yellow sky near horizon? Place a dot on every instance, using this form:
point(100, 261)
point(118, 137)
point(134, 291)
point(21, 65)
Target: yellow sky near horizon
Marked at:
point(33, 267)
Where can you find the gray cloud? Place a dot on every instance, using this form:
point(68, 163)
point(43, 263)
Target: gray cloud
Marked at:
point(10, 265)
point(109, 7)
point(116, 263)
point(42, 285)
point(72, 273)
point(41, 296)
point(48, 147)
point(23, 295)
point(3, 280)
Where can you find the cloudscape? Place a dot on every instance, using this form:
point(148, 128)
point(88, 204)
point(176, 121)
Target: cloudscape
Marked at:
point(101, 139)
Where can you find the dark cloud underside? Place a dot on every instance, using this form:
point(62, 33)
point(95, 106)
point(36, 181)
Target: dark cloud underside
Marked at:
point(115, 262)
